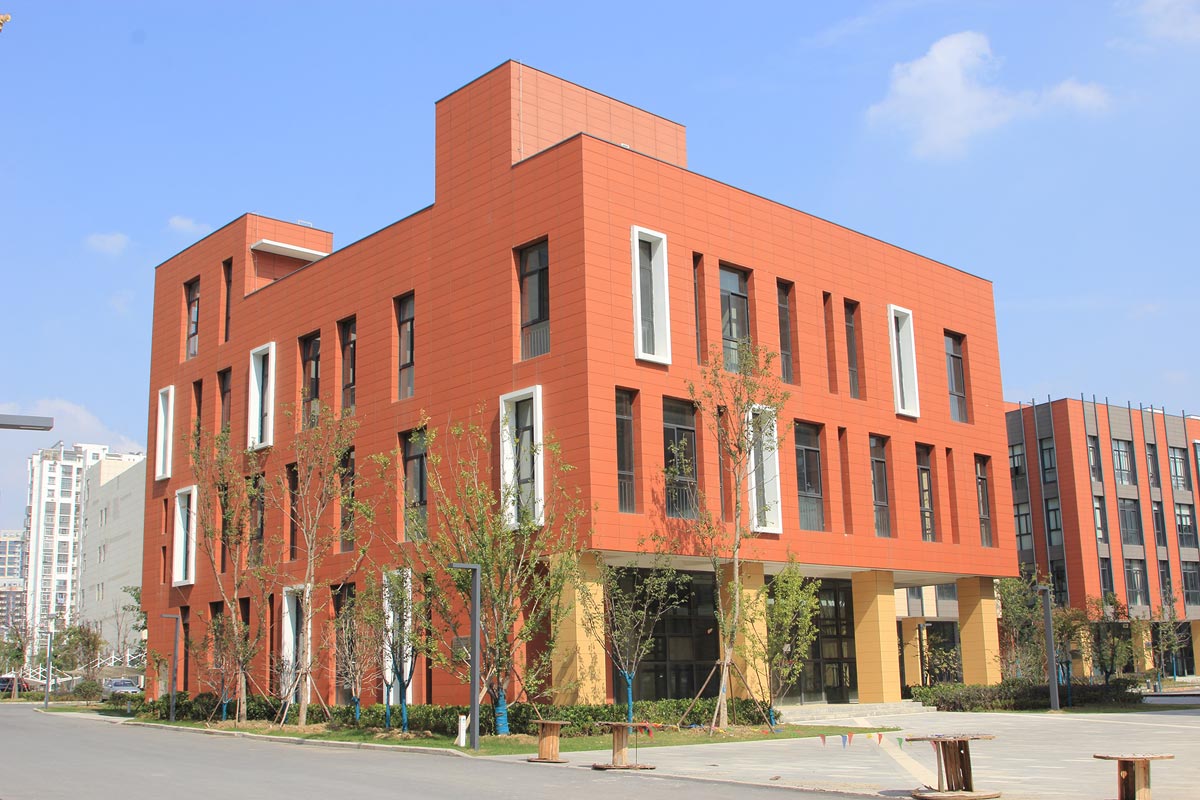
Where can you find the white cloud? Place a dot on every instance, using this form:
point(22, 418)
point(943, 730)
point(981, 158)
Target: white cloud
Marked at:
point(112, 244)
point(120, 301)
point(188, 225)
point(72, 423)
point(1174, 20)
point(947, 96)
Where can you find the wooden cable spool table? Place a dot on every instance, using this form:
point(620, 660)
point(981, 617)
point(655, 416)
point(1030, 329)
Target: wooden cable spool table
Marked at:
point(620, 745)
point(549, 731)
point(1133, 773)
point(956, 781)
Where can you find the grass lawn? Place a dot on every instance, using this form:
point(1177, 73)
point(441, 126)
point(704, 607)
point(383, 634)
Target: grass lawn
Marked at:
point(518, 744)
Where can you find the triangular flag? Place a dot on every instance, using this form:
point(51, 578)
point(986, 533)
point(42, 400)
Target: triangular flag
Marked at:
point(822, 740)
point(843, 741)
point(900, 741)
point(852, 738)
point(879, 736)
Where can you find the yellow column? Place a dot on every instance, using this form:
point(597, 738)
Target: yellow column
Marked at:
point(1196, 644)
point(749, 647)
point(875, 639)
point(1143, 651)
point(977, 629)
point(579, 661)
point(910, 635)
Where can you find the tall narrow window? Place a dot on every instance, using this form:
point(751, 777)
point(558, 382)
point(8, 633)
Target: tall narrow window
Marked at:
point(1100, 518)
point(1106, 577)
point(346, 476)
point(1152, 466)
point(626, 497)
point(293, 523)
point(679, 456)
point(1136, 589)
point(764, 472)
point(786, 356)
point(1049, 459)
point(879, 488)
point(956, 377)
point(183, 568)
point(225, 389)
point(258, 520)
point(1124, 469)
point(808, 477)
point(1190, 571)
point(1093, 445)
point(697, 263)
point(310, 380)
point(197, 406)
point(1185, 524)
point(192, 291)
point(1160, 523)
point(1166, 586)
point(925, 491)
point(348, 332)
point(904, 361)
point(1053, 522)
point(164, 433)
point(985, 505)
point(1129, 517)
point(521, 455)
point(535, 300)
point(1024, 525)
point(852, 348)
point(652, 308)
point(261, 416)
point(416, 500)
point(405, 309)
point(735, 314)
point(1016, 460)
point(1181, 474)
point(1058, 580)
point(227, 274)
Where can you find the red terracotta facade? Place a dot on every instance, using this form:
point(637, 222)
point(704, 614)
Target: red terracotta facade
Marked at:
point(522, 156)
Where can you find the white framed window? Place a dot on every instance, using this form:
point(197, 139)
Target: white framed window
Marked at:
point(521, 476)
point(651, 302)
point(183, 551)
point(291, 630)
point(393, 673)
point(164, 433)
point(904, 361)
point(260, 425)
point(763, 483)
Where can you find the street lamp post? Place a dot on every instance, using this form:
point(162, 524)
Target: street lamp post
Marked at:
point(46, 685)
point(922, 630)
point(474, 568)
point(1051, 655)
point(174, 658)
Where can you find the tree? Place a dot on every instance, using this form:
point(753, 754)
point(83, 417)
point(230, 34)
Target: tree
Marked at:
point(527, 549)
point(630, 604)
point(739, 399)
point(13, 649)
point(405, 637)
point(1165, 636)
point(784, 637)
point(942, 660)
point(79, 649)
point(358, 638)
point(225, 499)
point(1109, 642)
point(320, 481)
point(131, 624)
point(1070, 626)
point(1022, 641)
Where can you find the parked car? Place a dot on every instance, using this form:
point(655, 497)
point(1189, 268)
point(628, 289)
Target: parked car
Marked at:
point(6, 685)
point(121, 686)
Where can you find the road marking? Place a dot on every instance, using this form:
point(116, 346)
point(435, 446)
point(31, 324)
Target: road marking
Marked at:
point(906, 762)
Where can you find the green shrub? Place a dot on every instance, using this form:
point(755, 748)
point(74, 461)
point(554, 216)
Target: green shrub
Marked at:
point(88, 690)
point(1018, 695)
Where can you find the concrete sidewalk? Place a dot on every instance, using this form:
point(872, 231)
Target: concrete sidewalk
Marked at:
point(1034, 755)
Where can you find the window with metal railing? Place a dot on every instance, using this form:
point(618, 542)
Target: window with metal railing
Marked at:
point(879, 487)
point(626, 495)
point(679, 457)
point(808, 477)
point(534, 266)
point(925, 492)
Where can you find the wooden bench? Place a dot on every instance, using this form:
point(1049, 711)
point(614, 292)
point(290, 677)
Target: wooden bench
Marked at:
point(956, 781)
point(549, 731)
point(620, 745)
point(1133, 773)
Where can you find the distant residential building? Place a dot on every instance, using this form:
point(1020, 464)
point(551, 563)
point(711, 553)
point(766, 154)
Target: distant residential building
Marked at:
point(12, 578)
point(52, 521)
point(1104, 501)
point(110, 547)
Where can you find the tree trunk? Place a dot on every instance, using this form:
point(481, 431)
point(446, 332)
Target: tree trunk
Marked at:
point(241, 695)
point(501, 710)
point(302, 658)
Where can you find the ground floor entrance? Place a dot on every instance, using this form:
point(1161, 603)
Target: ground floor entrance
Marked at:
point(831, 674)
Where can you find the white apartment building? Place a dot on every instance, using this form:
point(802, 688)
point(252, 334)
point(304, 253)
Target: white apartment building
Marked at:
point(110, 548)
point(12, 578)
point(53, 520)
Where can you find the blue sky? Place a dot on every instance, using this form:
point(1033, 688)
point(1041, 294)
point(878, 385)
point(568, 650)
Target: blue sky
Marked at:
point(1049, 147)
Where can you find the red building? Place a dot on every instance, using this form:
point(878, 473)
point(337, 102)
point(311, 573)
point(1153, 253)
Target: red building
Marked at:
point(571, 259)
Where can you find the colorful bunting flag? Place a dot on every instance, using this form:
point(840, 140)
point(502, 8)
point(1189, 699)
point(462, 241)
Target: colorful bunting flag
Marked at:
point(852, 738)
point(843, 741)
point(879, 737)
point(822, 740)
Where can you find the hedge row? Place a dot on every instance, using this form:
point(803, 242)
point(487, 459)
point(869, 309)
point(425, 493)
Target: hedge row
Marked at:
point(1018, 695)
point(444, 719)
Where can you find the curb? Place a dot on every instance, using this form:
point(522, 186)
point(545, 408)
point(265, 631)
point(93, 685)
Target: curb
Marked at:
point(296, 740)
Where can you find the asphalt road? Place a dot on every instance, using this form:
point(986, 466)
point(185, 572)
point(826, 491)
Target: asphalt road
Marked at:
point(51, 756)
